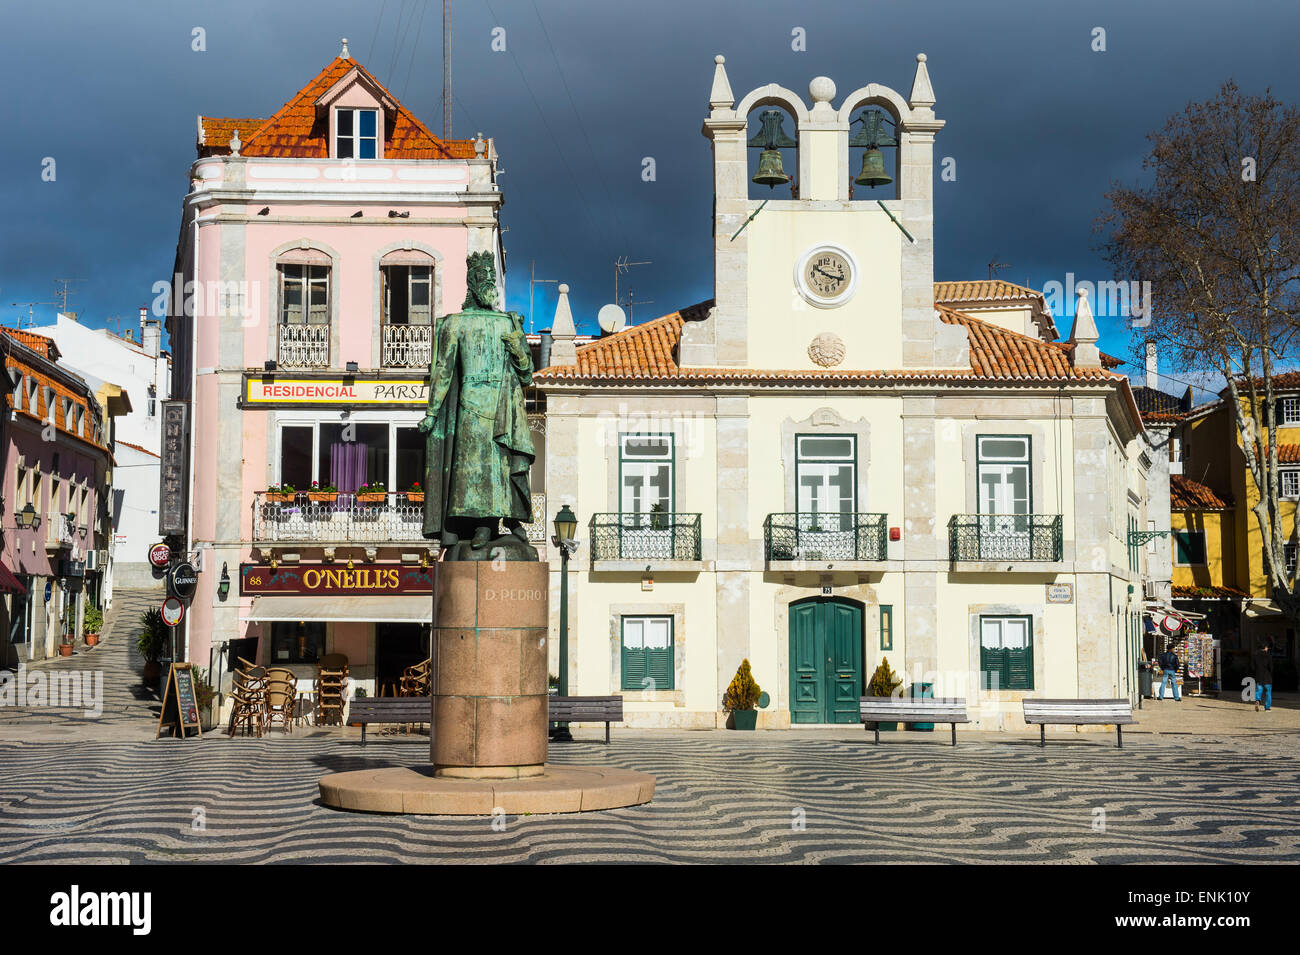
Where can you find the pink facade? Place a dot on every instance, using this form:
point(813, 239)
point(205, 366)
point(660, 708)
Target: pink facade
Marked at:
point(292, 267)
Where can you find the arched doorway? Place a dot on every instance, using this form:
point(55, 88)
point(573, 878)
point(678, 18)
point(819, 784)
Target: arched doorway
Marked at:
point(825, 660)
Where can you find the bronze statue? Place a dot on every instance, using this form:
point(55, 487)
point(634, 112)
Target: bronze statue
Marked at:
point(478, 445)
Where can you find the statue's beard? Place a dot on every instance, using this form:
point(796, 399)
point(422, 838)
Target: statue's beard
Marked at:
point(487, 298)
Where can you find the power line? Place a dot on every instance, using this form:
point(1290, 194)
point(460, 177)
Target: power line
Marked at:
point(415, 47)
point(374, 36)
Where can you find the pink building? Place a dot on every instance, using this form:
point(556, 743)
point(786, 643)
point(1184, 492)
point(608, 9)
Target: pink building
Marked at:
point(55, 437)
point(317, 249)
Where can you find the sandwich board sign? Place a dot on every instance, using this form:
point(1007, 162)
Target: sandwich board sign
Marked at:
point(180, 709)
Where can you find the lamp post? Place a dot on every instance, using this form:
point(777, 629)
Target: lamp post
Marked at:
point(565, 525)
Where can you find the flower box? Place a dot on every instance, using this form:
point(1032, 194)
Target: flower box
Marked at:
point(323, 497)
point(371, 497)
point(415, 497)
point(280, 497)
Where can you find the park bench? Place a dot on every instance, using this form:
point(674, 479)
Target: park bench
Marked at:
point(586, 709)
point(387, 709)
point(1079, 713)
point(908, 709)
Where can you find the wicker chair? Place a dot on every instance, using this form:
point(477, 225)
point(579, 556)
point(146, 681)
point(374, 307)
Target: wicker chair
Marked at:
point(415, 679)
point(331, 689)
point(249, 695)
point(281, 698)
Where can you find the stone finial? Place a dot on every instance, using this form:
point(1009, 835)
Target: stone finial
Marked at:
point(721, 97)
point(343, 54)
point(922, 91)
point(1084, 334)
point(480, 147)
point(821, 89)
point(563, 349)
point(1153, 366)
point(235, 144)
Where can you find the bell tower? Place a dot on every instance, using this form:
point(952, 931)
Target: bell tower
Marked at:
point(830, 263)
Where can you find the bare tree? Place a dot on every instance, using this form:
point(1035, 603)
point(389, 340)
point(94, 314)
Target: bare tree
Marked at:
point(1217, 235)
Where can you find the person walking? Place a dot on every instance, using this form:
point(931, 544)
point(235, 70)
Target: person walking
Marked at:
point(1264, 675)
point(1169, 667)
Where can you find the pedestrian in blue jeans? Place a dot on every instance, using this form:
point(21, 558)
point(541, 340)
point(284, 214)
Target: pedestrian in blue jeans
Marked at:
point(1169, 667)
point(1264, 675)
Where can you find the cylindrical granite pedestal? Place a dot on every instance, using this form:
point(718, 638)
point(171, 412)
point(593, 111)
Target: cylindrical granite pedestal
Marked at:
point(489, 707)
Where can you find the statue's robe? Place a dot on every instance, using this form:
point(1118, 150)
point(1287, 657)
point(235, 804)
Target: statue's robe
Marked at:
point(479, 449)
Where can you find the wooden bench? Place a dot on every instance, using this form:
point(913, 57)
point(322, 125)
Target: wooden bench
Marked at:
point(388, 709)
point(1079, 713)
point(586, 709)
point(912, 709)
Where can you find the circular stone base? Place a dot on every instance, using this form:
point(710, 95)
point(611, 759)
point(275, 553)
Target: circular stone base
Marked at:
point(420, 792)
point(489, 772)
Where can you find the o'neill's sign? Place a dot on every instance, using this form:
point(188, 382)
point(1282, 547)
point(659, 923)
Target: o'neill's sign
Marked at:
point(270, 390)
point(334, 580)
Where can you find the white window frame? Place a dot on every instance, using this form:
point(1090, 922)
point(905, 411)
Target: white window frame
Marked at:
point(1293, 474)
point(307, 281)
point(411, 282)
point(1290, 411)
point(1289, 556)
point(394, 421)
point(355, 139)
point(630, 463)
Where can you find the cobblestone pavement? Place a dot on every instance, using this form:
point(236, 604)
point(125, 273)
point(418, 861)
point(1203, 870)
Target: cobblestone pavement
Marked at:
point(722, 797)
point(127, 706)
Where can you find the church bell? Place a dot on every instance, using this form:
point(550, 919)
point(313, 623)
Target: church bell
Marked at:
point(770, 171)
point(873, 170)
point(771, 138)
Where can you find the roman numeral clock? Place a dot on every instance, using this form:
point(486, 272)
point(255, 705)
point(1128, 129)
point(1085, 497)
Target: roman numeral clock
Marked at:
point(826, 276)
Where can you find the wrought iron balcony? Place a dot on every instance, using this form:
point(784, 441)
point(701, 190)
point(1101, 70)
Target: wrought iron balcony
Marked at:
point(352, 518)
point(825, 536)
point(656, 536)
point(406, 346)
point(998, 537)
point(304, 346)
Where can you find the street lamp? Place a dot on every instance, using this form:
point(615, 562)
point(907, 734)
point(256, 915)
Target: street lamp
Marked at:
point(565, 526)
point(223, 586)
point(27, 518)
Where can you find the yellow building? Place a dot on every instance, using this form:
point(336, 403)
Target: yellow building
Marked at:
point(835, 461)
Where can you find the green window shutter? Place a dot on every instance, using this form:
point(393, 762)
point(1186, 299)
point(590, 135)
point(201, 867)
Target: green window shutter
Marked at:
point(1020, 669)
point(659, 667)
point(634, 669)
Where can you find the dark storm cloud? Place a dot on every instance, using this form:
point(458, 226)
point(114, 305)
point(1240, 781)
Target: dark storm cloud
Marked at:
point(1038, 122)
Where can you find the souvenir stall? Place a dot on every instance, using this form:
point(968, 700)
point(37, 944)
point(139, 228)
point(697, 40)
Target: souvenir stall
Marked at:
point(1198, 652)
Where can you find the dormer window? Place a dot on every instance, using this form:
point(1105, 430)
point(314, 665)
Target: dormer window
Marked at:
point(356, 134)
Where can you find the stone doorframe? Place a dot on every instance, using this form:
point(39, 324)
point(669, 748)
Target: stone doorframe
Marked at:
point(676, 696)
point(864, 594)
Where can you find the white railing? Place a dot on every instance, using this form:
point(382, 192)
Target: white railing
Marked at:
point(304, 346)
point(407, 346)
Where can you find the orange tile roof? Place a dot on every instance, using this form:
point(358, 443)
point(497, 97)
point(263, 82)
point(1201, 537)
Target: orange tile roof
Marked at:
point(991, 290)
point(215, 132)
point(136, 447)
point(649, 351)
point(16, 400)
point(1180, 592)
point(1188, 495)
point(38, 343)
point(295, 130)
point(1288, 453)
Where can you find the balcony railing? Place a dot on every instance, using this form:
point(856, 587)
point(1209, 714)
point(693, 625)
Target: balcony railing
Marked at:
point(304, 346)
point(997, 537)
point(666, 536)
point(825, 536)
point(407, 346)
point(398, 517)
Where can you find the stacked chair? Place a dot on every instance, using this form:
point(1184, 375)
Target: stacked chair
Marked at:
point(281, 697)
point(331, 689)
point(415, 679)
point(249, 695)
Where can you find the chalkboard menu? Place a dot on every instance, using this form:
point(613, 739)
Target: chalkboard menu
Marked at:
point(180, 709)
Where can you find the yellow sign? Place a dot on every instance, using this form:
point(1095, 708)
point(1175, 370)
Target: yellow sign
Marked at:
point(338, 391)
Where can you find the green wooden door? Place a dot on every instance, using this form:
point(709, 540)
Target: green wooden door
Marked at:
point(825, 661)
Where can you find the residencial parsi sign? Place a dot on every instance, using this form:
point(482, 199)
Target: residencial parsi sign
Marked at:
point(273, 390)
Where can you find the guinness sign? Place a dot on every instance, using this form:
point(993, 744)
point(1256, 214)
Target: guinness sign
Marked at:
point(183, 580)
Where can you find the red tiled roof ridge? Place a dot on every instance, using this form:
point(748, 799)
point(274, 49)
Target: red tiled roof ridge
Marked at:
point(1188, 495)
point(951, 291)
point(136, 447)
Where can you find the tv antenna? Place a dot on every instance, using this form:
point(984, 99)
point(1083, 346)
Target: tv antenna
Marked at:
point(632, 304)
point(64, 291)
point(621, 264)
point(30, 306)
point(533, 280)
point(995, 267)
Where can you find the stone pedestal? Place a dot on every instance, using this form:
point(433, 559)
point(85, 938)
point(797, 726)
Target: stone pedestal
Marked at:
point(489, 683)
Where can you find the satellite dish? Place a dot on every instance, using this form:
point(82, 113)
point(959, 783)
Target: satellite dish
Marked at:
point(611, 319)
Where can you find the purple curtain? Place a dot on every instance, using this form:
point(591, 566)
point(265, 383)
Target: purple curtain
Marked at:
point(348, 465)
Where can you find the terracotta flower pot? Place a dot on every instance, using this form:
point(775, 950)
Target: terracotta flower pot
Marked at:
point(415, 497)
point(92, 639)
point(65, 649)
point(323, 497)
point(274, 497)
point(371, 497)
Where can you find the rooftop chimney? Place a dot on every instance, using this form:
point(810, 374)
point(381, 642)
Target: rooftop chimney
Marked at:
point(1153, 376)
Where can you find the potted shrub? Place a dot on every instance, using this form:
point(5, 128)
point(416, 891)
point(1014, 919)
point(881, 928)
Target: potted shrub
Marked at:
point(371, 493)
point(152, 643)
point(883, 683)
point(741, 699)
point(204, 697)
point(66, 645)
point(323, 493)
point(280, 494)
point(659, 516)
point(416, 494)
point(91, 625)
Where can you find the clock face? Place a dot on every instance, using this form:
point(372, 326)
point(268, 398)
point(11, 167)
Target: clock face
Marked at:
point(827, 274)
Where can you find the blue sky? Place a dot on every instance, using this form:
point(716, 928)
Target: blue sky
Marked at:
point(1038, 122)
